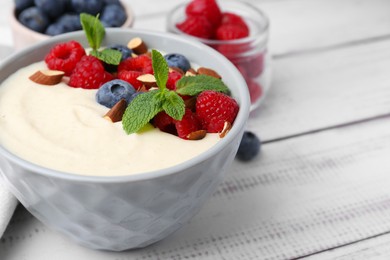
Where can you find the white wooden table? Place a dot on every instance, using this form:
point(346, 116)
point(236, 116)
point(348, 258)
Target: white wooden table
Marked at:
point(321, 187)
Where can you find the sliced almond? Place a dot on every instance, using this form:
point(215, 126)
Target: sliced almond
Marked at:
point(149, 54)
point(226, 128)
point(115, 114)
point(137, 45)
point(209, 72)
point(47, 77)
point(176, 69)
point(143, 88)
point(148, 80)
point(197, 135)
point(191, 72)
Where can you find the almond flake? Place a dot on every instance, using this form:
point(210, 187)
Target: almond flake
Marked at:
point(191, 72)
point(226, 128)
point(197, 135)
point(115, 114)
point(209, 72)
point(148, 80)
point(47, 77)
point(137, 45)
point(176, 69)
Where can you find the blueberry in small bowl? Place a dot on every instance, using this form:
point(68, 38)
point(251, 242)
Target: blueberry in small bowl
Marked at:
point(37, 20)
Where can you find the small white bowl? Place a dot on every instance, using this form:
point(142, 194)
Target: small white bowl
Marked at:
point(124, 212)
point(24, 37)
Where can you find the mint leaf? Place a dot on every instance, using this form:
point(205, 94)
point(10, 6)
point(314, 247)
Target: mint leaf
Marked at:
point(94, 31)
point(160, 69)
point(194, 85)
point(141, 110)
point(173, 105)
point(93, 28)
point(145, 106)
point(109, 56)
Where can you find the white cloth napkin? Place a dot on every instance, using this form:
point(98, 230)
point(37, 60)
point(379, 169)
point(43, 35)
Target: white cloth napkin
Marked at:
point(8, 204)
point(7, 201)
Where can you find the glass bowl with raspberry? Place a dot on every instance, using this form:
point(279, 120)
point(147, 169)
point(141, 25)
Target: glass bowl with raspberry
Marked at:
point(34, 21)
point(236, 29)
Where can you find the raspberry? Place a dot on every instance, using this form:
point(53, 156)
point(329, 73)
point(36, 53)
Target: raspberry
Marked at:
point(173, 77)
point(231, 32)
point(207, 8)
point(230, 18)
point(165, 123)
point(197, 26)
point(214, 108)
point(130, 69)
point(65, 56)
point(252, 64)
point(131, 76)
point(89, 73)
point(255, 90)
point(189, 123)
point(142, 63)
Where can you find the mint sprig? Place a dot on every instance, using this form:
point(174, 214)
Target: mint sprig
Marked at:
point(140, 111)
point(160, 69)
point(194, 85)
point(145, 106)
point(95, 32)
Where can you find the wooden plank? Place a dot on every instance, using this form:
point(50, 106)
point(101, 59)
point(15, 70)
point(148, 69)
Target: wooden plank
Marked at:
point(372, 248)
point(301, 25)
point(303, 195)
point(297, 25)
point(325, 89)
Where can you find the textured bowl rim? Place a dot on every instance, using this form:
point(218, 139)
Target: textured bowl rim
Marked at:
point(239, 124)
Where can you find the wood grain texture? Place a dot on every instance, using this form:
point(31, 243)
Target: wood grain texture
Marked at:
point(297, 25)
point(375, 248)
point(316, 195)
point(325, 89)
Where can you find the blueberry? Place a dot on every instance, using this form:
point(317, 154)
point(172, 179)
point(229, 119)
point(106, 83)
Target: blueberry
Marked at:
point(20, 5)
point(34, 19)
point(71, 22)
point(51, 8)
point(249, 146)
point(66, 23)
point(55, 29)
point(113, 91)
point(177, 60)
point(113, 15)
point(69, 6)
point(126, 52)
point(92, 7)
point(111, 2)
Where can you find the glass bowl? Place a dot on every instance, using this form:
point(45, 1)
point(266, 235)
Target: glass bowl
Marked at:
point(250, 55)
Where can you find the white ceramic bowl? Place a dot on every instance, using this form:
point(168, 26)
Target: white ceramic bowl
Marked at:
point(119, 213)
point(24, 37)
